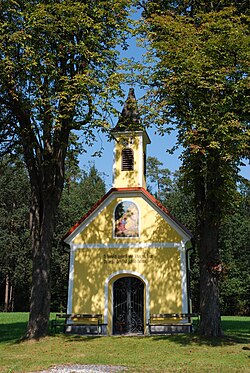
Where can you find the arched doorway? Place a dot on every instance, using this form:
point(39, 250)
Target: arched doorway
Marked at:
point(128, 305)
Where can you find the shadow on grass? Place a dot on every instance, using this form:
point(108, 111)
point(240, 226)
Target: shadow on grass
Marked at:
point(236, 332)
point(12, 332)
point(79, 338)
point(240, 328)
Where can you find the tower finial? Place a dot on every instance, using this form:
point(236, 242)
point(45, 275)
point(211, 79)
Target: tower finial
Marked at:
point(129, 118)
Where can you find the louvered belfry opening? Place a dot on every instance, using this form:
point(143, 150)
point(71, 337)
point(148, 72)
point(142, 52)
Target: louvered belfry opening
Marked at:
point(127, 159)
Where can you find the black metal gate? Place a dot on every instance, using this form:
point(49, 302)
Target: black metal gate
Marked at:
point(128, 306)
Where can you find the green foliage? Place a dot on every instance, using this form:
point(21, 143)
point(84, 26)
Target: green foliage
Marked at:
point(235, 253)
point(233, 246)
point(58, 73)
point(79, 196)
point(159, 178)
point(15, 248)
point(55, 58)
point(15, 251)
point(199, 84)
point(201, 81)
point(180, 202)
point(192, 7)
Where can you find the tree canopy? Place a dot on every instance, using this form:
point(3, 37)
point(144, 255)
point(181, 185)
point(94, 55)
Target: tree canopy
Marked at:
point(198, 83)
point(58, 66)
point(57, 73)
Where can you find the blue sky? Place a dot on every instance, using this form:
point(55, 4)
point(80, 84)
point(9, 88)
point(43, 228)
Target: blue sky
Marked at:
point(158, 145)
point(157, 148)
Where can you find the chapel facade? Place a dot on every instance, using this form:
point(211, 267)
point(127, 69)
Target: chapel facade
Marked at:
point(129, 256)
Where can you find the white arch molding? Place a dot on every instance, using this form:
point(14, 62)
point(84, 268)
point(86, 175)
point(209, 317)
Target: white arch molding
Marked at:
point(106, 289)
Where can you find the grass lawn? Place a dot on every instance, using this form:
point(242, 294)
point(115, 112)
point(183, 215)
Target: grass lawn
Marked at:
point(176, 353)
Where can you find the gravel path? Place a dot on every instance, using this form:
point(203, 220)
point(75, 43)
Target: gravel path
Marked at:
point(77, 368)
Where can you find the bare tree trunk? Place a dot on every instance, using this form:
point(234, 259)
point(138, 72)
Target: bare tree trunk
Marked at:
point(11, 302)
point(6, 297)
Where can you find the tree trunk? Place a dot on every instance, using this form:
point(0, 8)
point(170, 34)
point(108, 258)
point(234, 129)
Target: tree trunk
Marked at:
point(42, 231)
point(44, 149)
point(207, 231)
point(11, 306)
point(6, 297)
point(210, 268)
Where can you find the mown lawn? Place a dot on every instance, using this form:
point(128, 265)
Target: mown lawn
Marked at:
point(179, 353)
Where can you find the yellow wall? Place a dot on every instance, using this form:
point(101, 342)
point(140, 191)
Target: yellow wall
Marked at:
point(161, 268)
point(153, 228)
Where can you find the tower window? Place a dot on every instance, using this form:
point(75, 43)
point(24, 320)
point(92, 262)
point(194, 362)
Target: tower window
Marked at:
point(127, 159)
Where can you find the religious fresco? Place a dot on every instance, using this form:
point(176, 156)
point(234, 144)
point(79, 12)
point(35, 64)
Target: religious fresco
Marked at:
point(126, 220)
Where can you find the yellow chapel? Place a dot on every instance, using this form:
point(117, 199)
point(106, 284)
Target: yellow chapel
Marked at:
point(129, 256)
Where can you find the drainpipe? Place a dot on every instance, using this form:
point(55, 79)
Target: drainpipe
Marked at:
point(189, 251)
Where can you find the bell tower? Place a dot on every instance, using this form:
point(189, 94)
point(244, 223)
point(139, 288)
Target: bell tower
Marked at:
point(131, 139)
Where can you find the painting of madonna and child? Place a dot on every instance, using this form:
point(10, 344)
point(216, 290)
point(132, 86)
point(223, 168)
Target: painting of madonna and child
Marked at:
point(126, 220)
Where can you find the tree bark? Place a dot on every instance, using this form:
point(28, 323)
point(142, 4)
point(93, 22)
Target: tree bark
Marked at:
point(207, 230)
point(47, 180)
point(42, 230)
point(45, 160)
point(11, 305)
point(6, 297)
point(210, 268)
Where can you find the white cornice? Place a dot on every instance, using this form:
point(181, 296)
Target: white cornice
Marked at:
point(136, 245)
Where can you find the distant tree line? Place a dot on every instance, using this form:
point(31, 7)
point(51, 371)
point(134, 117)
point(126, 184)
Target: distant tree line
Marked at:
point(15, 249)
point(234, 281)
point(82, 189)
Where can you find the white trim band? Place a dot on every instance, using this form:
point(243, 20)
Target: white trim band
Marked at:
point(136, 245)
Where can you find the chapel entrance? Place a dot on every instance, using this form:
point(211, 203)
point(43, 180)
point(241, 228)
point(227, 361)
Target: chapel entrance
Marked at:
point(128, 306)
